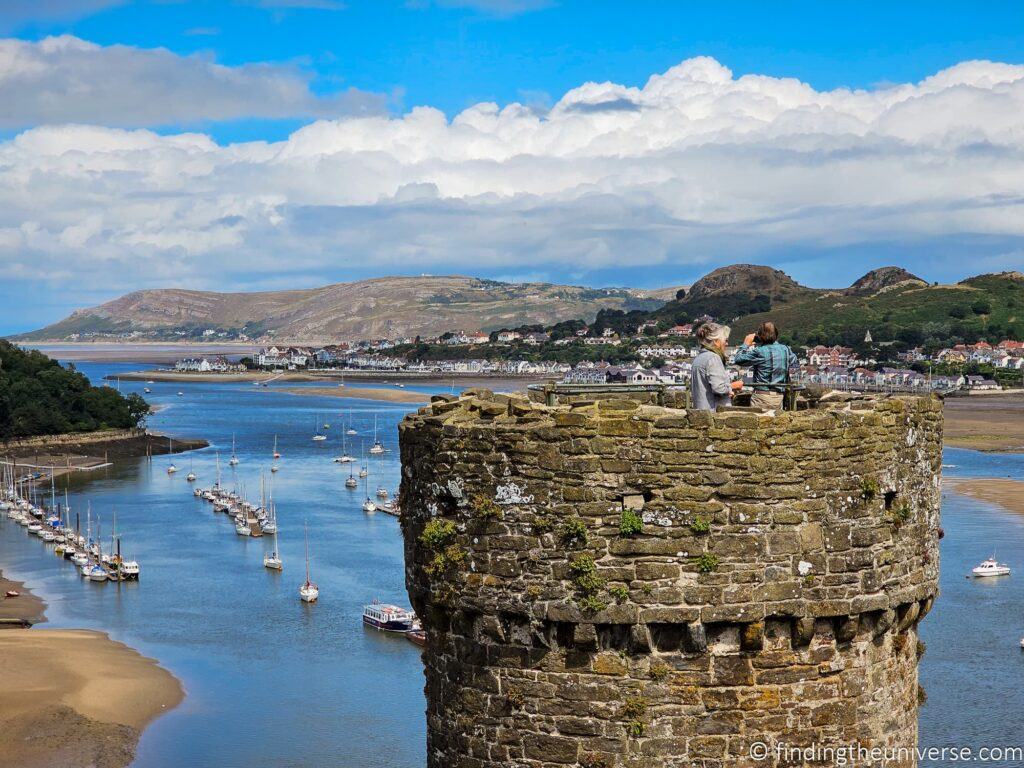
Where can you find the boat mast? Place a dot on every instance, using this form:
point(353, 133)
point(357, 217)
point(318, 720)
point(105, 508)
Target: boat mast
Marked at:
point(305, 531)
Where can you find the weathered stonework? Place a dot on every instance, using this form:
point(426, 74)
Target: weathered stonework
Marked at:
point(772, 593)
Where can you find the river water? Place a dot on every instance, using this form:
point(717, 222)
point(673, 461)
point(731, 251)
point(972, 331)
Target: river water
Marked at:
point(272, 682)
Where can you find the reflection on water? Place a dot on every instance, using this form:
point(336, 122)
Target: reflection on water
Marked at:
point(274, 682)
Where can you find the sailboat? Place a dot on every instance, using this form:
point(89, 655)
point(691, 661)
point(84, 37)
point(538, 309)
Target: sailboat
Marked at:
point(171, 469)
point(318, 435)
point(344, 458)
point(350, 481)
point(351, 430)
point(272, 559)
point(191, 476)
point(233, 461)
point(276, 454)
point(308, 592)
point(368, 505)
point(378, 446)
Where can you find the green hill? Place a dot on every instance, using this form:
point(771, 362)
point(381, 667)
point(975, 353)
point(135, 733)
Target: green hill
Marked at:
point(40, 397)
point(892, 303)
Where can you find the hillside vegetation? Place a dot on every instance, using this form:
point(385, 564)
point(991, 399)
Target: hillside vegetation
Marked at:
point(892, 303)
point(386, 307)
point(40, 397)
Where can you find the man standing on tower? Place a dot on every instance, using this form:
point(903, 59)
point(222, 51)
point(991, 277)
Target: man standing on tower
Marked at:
point(770, 363)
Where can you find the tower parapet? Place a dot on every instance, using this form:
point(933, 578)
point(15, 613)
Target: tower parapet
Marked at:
point(612, 583)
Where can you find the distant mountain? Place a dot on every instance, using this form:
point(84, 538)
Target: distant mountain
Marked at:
point(892, 303)
point(378, 308)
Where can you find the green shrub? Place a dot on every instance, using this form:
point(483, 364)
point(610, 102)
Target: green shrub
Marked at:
point(543, 524)
point(706, 563)
point(486, 508)
point(633, 710)
point(619, 593)
point(573, 532)
point(587, 583)
point(659, 670)
point(437, 534)
point(900, 514)
point(869, 488)
point(591, 604)
point(630, 523)
point(700, 525)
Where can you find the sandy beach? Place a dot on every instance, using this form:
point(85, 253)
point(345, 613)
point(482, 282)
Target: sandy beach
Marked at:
point(75, 698)
point(1005, 492)
point(364, 393)
point(25, 608)
point(985, 423)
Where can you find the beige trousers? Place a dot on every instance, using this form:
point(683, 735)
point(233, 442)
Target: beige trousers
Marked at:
point(770, 400)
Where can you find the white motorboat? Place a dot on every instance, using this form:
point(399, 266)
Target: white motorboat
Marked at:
point(991, 567)
point(382, 492)
point(181, 394)
point(363, 471)
point(351, 482)
point(198, 492)
point(171, 469)
point(242, 528)
point(48, 536)
point(388, 618)
point(96, 573)
point(147, 390)
point(130, 570)
point(191, 477)
point(80, 558)
point(274, 467)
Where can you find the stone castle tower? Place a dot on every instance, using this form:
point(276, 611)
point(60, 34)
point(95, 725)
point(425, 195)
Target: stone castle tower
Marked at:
point(614, 583)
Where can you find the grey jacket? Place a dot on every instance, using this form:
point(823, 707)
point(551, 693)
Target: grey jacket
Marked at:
point(709, 382)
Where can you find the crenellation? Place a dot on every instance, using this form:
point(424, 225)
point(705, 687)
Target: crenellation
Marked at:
point(627, 583)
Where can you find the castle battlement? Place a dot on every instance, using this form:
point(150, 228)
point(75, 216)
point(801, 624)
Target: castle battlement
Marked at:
point(616, 582)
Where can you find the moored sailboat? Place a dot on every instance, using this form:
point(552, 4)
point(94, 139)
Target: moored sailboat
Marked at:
point(308, 592)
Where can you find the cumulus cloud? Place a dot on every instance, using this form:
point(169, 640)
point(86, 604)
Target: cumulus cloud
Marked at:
point(66, 79)
point(695, 167)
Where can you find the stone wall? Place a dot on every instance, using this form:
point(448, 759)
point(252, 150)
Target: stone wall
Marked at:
point(616, 583)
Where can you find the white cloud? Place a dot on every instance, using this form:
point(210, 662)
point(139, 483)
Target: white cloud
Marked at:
point(695, 167)
point(66, 79)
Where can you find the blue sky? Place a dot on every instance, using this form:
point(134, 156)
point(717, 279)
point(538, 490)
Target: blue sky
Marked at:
point(650, 187)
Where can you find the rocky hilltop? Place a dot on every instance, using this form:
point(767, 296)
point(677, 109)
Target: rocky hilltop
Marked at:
point(381, 307)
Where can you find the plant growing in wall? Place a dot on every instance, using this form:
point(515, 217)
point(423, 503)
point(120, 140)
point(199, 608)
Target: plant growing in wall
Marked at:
point(588, 584)
point(573, 532)
point(900, 514)
point(659, 671)
point(485, 508)
point(868, 488)
point(633, 710)
point(446, 557)
point(619, 593)
point(700, 525)
point(706, 562)
point(630, 524)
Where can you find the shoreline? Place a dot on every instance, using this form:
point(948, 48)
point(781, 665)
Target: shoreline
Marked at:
point(363, 393)
point(167, 375)
point(88, 451)
point(1001, 491)
point(990, 423)
point(74, 698)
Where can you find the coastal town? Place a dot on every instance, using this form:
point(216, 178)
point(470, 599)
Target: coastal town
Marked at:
point(664, 357)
